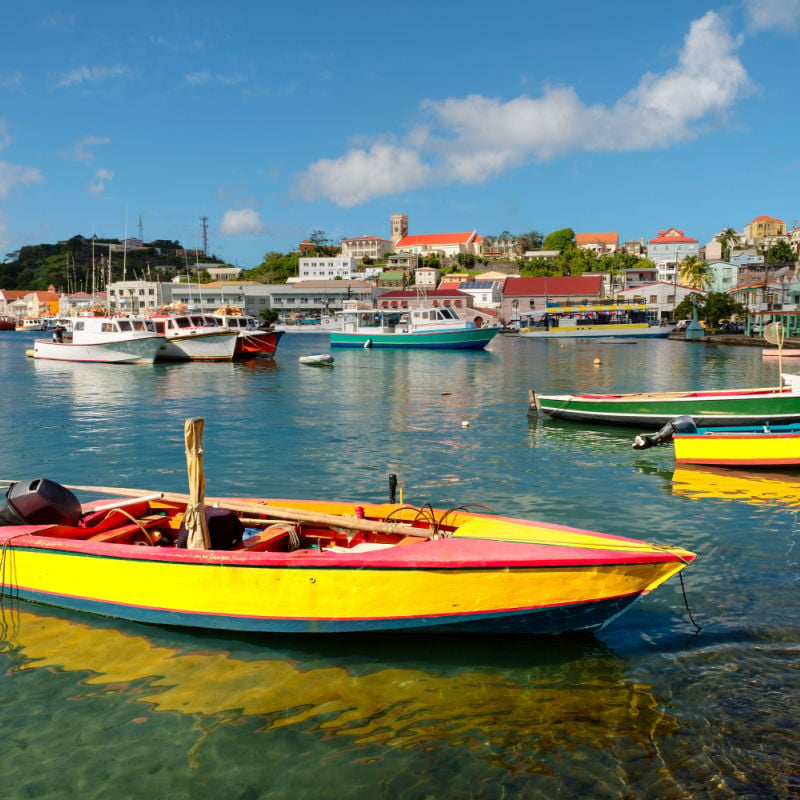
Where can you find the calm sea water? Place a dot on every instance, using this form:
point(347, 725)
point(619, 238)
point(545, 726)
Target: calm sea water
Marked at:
point(652, 707)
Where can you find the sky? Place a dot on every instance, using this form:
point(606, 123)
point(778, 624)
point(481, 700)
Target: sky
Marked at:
point(273, 121)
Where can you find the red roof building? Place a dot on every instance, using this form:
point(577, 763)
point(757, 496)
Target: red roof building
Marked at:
point(523, 295)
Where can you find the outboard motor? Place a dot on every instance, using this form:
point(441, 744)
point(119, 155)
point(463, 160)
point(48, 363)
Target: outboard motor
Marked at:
point(38, 501)
point(678, 425)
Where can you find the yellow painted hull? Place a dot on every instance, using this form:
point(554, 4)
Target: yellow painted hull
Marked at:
point(491, 575)
point(738, 449)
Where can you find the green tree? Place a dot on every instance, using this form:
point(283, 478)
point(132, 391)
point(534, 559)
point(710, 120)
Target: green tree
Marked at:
point(711, 308)
point(726, 239)
point(694, 272)
point(559, 240)
point(781, 252)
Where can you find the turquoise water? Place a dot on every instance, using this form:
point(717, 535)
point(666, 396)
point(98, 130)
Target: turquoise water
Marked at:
point(651, 707)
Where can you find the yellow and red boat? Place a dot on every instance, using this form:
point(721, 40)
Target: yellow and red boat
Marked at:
point(317, 566)
point(728, 446)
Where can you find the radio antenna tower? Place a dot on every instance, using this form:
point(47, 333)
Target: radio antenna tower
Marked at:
point(141, 230)
point(204, 220)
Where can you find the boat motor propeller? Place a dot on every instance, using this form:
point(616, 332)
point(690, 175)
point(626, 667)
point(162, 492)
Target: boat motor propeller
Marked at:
point(683, 424)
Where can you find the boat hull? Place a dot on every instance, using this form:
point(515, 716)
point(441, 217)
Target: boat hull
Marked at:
point(706, 408)
point(254, 344)
point(466, 339)
point(493, 575)
point(632, 331)
point(213, 346)
point(734, 447)
point(141, 350)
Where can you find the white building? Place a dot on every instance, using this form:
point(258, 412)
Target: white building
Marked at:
point(361, 247)
point(668, 249)
point(660, 298)
point(327, 268)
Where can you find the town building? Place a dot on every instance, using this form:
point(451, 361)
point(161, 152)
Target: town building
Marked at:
point(444, 245)
point(316, 268)
point(370, 247)
point(765, 229)
point(660, 298)
point(599, 243)
point(485, 293)
point(524, 295)
point(668, 249)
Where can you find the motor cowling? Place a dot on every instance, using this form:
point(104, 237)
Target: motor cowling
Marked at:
point(683, 424)
point(39, 501)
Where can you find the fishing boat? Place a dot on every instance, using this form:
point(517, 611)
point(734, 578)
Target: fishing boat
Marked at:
point(31, 324)
point(305, 566)
point(190, 337)
point(592, 321)
point(7, 323)
point(728, 446)
point(103, 340)
point(776, 405)
point(252, 340)
point(422, 327)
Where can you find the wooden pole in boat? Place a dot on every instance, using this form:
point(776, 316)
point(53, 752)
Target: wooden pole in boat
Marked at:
point(195, 517)
point(269, 511)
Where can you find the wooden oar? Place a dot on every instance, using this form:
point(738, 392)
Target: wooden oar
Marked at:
point(270, 511)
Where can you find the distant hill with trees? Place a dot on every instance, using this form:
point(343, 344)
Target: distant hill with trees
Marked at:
point(73, 265)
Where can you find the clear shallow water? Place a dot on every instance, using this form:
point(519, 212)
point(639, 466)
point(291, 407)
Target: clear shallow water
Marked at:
point(649, 708)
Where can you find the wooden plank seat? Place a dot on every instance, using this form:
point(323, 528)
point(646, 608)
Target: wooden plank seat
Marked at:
point(272, 539)
point(130, 531)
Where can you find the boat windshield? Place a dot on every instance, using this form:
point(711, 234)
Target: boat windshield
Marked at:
point(124, 325)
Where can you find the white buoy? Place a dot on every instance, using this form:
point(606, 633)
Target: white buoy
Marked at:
point(597, 362)
point(465, 423)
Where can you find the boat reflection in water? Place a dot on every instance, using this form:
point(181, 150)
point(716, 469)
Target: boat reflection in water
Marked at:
point(759, 488)
point(373, 692)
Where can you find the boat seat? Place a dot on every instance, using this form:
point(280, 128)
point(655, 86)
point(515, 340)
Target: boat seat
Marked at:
point(130, 530)
point(272, 539)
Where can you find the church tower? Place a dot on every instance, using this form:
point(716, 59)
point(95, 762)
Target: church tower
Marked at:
point(399, 227)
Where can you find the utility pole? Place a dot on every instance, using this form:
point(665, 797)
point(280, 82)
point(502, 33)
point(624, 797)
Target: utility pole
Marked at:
point(204, 221)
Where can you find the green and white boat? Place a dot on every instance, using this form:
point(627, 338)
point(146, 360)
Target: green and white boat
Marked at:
point(424, 327)
point(707, 408)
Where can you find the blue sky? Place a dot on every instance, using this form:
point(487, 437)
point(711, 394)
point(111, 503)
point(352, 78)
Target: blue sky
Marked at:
point(276, 120)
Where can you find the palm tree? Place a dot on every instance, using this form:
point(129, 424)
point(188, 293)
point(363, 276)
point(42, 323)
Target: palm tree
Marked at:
point(726, 238)
point(694, 272)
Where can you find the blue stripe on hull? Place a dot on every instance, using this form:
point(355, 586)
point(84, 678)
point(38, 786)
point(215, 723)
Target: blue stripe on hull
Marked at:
point(536, 622)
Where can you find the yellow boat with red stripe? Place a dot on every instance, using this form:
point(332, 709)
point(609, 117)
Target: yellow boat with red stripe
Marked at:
point(295, 566)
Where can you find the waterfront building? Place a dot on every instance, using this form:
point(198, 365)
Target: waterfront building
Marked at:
point(659, 297)
point(485, 293)
point(523, 295)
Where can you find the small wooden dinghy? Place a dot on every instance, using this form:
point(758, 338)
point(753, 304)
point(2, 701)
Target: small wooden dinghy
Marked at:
point(317, 360)
point(314, 566)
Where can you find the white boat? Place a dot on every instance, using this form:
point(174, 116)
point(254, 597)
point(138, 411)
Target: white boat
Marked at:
point(31, 324)
point(191, 337)
point(317, 359)
point(422, 327)
point(592, 321)
point(104, 340)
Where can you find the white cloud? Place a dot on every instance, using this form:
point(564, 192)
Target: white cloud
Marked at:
point(768, 14)
point(241, 222)
point(12, 176)
point(90, 75)
point(361, 175)
point(476, 138)
point(102, 176)
point(79, 151)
